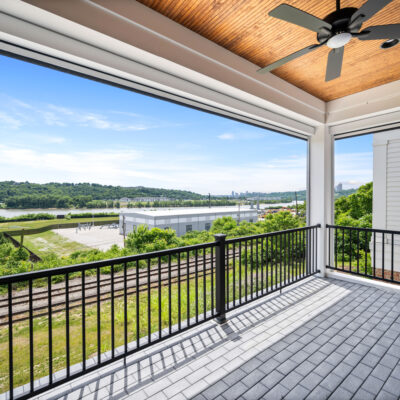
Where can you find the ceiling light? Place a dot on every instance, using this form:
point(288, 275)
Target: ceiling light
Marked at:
point(339, 40)
point(389, 43)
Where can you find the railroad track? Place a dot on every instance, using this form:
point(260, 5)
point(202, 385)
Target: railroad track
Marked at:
point(160, 276)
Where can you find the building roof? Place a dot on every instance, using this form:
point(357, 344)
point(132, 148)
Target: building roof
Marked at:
point(189, 211)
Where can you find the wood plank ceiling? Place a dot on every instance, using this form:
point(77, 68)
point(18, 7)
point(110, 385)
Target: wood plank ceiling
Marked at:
point(244, 27)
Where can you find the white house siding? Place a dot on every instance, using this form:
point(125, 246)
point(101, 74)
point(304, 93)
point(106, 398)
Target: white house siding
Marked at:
point(386, 202)
point(393, 185)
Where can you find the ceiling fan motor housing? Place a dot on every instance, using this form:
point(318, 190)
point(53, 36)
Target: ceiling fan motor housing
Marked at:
point(340, 33)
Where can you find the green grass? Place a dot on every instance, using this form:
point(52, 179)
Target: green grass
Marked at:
point(41, 350)
point(50, 242)
point(12, 226)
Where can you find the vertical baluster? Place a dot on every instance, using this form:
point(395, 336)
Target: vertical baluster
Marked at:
point(374, 272)
point(383, 255)
point(329, 247)
point(137, 306)
point(83, 305)
point(227, 277)
point(392, 259)
point(125, 309)
point(316, 250)
point(281, 259)
point(358, 251)
point(67, 338)
point(304, 253)
point(148, 300)
point(112, 314)
point(204, 285)
point(366, 253)
point(240, 272)
point(342, 249)
point(188, 286)
point(266, 264)
point(50, 328)
point(212, 281)
point(179, 291)
point(31, 344)
point(257, 294)
point(245, 268)
point(196, 273)
point(335, 231)
point(169, 296)
point(276, 261)
point(262, 266)
point(98, 317)
point(234, 274)
point(351, 249)
point(10, 343)
point(159, 298)
point(251, 266)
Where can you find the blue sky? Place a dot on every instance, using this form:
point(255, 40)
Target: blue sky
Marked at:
point(58, 127)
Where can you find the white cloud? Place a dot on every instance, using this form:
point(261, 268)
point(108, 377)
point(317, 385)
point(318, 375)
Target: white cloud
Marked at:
point(133, 167)
point(245, 135)
point(9, 122)
point(226, 136)
point(17, 114)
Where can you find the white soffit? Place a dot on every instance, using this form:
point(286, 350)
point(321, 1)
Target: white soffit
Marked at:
point(373, 110)
point(39, 30)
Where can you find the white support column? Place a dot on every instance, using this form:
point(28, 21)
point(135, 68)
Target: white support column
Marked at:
point(321, 181)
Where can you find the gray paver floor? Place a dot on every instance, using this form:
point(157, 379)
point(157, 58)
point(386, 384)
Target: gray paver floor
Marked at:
point(322, 339)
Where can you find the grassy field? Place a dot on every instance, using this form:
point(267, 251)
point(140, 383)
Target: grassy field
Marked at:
point(8, 226)
point(50, 242)
point(41, 350)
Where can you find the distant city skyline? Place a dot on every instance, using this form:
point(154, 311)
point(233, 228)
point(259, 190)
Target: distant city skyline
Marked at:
point(62, 128)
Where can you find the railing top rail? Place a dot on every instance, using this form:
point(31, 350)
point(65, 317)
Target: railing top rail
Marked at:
point(354, 228)
point(25, 276)
point(263, 235)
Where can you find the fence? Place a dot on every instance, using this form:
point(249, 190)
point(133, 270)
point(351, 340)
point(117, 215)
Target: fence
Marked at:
point(114, 308)
point(367, 252)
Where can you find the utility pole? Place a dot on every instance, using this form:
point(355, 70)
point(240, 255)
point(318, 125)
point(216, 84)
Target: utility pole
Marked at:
point(124, 228)
point(295, 193)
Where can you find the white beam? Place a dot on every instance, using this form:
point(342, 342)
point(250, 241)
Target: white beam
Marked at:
point(365, 108)
point(321, 179)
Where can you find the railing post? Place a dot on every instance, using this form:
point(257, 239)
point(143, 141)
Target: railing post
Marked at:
point(220, 278)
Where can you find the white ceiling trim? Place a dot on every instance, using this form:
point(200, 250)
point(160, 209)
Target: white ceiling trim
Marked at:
point(60, 31)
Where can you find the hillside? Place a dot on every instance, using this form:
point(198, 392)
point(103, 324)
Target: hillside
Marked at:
point(60, 195)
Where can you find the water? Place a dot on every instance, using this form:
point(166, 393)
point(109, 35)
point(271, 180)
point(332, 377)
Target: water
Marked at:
point(9, 213)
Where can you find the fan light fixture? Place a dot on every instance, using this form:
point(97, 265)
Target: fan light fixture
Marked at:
point(335, 31)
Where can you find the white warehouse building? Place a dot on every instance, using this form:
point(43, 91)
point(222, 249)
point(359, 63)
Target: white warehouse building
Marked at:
point(183, 220)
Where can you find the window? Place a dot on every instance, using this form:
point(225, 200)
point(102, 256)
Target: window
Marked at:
point(189, 228)
point(207, 226)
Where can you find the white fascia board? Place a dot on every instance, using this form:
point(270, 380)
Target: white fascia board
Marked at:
point(377, 107)
point(250, 92)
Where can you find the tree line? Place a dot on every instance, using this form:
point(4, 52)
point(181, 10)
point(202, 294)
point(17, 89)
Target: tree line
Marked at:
point(65, 195)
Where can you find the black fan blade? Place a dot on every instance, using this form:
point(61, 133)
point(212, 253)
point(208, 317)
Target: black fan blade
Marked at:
point(334, 67)
point(368, 9)
point(298, 17)
point(290, 57)
point(380, 32)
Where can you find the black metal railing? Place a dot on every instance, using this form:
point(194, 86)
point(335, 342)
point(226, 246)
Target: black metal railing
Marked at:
point(367, 252)
point(61, 323)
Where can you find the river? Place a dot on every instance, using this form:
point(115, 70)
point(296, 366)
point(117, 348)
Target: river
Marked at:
point(8, 213)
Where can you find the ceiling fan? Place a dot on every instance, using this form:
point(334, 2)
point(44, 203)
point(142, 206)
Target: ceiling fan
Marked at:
point(335, 31)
